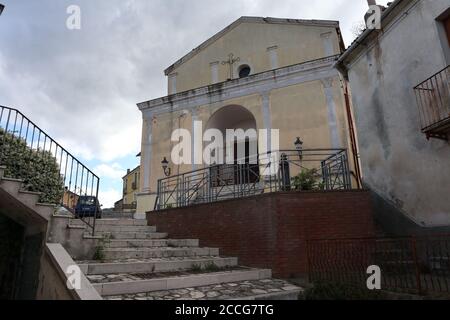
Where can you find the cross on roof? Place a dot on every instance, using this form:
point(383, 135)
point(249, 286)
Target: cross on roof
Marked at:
point(231, 61)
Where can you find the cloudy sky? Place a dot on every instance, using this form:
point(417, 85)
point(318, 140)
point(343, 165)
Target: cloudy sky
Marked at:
point(82, 86)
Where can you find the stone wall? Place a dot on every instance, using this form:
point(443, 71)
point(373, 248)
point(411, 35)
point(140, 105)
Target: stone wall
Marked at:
point(270, 231)
point(54, 274)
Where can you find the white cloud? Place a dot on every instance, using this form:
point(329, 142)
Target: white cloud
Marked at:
point(108, 197)
point(112, 171)
point(82, 86)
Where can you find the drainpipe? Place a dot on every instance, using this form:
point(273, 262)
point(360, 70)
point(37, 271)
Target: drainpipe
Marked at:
point(351, 127)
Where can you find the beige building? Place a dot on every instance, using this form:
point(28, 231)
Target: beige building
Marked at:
point(131, 183)
point(260, 73)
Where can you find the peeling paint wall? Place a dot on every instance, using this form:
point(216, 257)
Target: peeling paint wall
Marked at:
point(398, 161)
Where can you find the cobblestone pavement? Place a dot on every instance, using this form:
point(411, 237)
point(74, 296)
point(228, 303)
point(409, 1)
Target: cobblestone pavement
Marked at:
point(119, 277)
point(215, 292)
point(150, 260)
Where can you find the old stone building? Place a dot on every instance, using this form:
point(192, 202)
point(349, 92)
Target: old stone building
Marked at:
point(260, 73)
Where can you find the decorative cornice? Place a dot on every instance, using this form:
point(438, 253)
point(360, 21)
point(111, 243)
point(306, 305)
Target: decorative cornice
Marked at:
point(257, 83)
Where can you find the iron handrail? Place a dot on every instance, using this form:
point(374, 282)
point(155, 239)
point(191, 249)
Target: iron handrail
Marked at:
point(70, 168)
point(242, 178)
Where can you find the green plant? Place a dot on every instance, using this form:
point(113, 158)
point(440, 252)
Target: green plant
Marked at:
point(307, 180)
point(339, 291)
point(99, 254)
point(196, 268)
point(212, 267)
point(38, 169)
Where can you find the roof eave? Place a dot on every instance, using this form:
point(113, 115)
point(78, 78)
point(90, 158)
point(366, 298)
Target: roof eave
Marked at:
point(356, 45)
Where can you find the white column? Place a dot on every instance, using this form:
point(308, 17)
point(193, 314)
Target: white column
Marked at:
point(146, 154)
point(267, 118)
point(194, 138)
point(214, 72)
point(332, 115)
point(173, 83)
point(273, 56)
point(327, 44)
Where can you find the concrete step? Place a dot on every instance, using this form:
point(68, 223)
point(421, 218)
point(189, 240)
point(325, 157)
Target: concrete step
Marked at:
point(178, 282)
point(102, 228)
point(152, 243)
point(12, 186)
point(113, 222)
point(265, 289)
point(164, 252)
point(133, 235)
point(119, 215)
point(154, 265)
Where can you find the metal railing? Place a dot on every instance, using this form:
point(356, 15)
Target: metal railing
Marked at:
point(288, 170)
point(413, 265)
point(433, 99)
point(33, 144)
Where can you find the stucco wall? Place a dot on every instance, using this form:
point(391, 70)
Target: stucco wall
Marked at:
point(398, 161)
point(294, 43)
point(55, 272)
point(300, 110)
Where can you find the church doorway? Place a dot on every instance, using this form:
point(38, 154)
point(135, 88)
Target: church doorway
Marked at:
point(245, 167)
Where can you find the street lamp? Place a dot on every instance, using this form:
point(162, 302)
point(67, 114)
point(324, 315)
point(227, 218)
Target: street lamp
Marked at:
point(165, 166)
point(1, 8)
point(299, 147)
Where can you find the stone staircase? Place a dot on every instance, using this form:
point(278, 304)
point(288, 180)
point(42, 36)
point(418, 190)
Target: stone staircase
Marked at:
point(31, 210)
point(139, 263)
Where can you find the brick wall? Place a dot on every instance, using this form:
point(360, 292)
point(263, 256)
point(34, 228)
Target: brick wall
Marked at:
point(270, 231)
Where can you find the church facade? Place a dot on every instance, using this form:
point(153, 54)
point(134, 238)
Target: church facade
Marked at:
point(258, 73)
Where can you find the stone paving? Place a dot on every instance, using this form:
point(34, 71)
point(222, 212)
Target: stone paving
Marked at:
point(224, 291)
point(150, 260)
point(107, 278)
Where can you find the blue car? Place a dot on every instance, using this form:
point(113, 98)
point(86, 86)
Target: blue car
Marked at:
point(88, 206)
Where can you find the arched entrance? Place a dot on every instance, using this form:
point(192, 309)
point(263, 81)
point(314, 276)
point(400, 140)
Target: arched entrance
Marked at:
point(240, 167)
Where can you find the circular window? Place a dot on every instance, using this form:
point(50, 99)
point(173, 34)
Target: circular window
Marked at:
point(244, 71)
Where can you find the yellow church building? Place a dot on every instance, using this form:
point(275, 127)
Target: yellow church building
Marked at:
point(260, 73)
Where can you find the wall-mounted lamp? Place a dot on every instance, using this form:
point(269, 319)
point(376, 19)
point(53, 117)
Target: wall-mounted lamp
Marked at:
point(2, 7)
point(299, 147)
point(165, 166)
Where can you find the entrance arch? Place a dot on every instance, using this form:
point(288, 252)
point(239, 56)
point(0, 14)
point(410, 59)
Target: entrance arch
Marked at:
point(244, 169)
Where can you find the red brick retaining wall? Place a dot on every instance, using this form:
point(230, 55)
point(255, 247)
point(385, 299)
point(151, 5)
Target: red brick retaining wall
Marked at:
point(270, 231)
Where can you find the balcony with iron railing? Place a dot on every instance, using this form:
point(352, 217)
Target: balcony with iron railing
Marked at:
point(285, 171)
point(433, 99)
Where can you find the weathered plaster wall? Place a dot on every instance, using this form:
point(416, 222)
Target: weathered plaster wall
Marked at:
point(298, 110)
point(79, 246)
point(398, 162)
point(56, 267)
point(252, 43)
